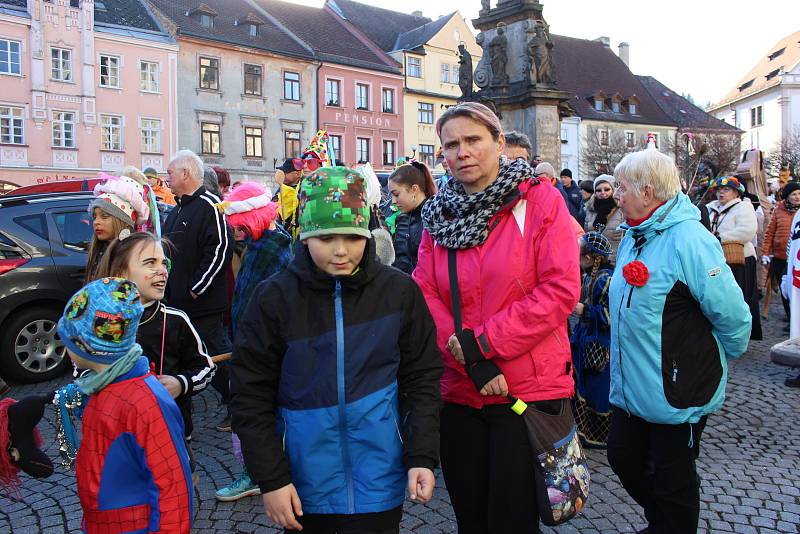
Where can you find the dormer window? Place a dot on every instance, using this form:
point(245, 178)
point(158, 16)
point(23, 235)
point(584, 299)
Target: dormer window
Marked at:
point(776, 53)
point(746, 85)
point(615, 107)
point(250, 23)
point(633, 105)
point(773, 74)
point(205, 15)
point(599, 101)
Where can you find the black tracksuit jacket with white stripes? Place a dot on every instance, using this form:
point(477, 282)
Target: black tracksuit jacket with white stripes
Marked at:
point(185, 355)
point(201, 255)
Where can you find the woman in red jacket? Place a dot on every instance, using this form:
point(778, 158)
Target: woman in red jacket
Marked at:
point(516, 259)
point(777, 235)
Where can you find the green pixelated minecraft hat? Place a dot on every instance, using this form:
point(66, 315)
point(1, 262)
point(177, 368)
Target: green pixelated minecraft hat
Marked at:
point(333, 200)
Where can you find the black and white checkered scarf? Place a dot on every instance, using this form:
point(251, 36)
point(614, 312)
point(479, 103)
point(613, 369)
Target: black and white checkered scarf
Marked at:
point(458, 220)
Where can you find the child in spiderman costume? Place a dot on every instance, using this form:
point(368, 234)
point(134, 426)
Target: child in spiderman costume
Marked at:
point(132, 465)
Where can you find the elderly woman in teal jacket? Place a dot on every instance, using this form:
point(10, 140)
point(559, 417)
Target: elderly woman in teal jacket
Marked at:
point(677, 315)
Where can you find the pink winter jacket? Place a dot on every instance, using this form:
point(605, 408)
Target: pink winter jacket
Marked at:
point(517, 290)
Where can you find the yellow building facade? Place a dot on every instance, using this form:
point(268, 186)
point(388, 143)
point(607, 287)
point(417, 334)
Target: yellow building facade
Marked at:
point(429, 56)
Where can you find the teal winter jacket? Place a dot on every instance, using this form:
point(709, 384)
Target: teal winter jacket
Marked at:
point(670, 337)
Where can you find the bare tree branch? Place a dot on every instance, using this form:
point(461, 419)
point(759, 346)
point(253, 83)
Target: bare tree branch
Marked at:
point(786, 154)
point(600, 156)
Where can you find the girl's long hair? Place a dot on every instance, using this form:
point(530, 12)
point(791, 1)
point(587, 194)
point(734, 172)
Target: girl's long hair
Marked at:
point(97, 249)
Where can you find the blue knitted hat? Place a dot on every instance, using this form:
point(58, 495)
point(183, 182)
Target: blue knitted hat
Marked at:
point(100, 320)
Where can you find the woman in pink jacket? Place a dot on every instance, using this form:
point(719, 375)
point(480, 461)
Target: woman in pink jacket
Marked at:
point(516, 259)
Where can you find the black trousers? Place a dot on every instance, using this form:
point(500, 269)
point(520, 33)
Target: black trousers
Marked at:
point(215, 337)
point(777, 269)
point(656, 466)
point(387, 522)
point(487, 462)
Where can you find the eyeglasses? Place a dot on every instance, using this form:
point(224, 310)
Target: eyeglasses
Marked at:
point(603, 190)
point(312, 164)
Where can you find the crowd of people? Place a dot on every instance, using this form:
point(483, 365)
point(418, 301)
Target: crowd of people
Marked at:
point(353, 355)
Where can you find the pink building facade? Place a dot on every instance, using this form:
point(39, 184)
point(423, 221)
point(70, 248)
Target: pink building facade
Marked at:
point(362, 110)
point(82, 96)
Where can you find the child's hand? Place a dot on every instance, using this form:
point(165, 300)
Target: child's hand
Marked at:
point(579, 308)
point(420, 484)
point(282, 505)
point(172, 385)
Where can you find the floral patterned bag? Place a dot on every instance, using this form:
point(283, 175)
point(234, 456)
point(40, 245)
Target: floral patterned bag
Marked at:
point(560, 467)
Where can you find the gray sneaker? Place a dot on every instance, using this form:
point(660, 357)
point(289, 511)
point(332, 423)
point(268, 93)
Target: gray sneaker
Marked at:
point(239, 488)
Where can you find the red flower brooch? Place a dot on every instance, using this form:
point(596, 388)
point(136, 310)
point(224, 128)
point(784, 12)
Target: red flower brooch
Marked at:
point(636, 273)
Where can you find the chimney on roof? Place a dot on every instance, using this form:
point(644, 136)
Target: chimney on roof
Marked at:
point(625, 53)
point(605, 41)
point(417, 13)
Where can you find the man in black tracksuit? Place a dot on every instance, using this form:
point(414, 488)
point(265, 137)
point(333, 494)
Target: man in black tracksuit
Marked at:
point(201, 257)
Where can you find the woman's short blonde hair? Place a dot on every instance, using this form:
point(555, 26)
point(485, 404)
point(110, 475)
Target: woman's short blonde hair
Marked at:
point(650, 167)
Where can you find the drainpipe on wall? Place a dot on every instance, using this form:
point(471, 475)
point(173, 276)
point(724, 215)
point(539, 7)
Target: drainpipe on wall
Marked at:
point(316, 102)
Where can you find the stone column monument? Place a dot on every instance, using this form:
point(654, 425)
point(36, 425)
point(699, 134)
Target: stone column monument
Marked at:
point(517, 75)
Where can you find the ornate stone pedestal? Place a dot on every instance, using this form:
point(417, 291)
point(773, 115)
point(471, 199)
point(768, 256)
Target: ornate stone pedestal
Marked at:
point(517, 76)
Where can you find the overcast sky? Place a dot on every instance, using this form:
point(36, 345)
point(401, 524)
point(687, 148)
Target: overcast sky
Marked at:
point(700, 47)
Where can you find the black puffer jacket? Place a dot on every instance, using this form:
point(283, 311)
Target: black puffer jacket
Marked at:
point(407, 237)
point(315, 354)
point(185, 355)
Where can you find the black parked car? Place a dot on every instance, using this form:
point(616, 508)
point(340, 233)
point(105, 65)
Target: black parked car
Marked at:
point(43, 244)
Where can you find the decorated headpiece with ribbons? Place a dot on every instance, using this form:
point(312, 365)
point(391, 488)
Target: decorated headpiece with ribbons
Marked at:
point(319, 148)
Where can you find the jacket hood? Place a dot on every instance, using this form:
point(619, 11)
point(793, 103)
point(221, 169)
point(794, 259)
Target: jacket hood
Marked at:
point(672, 212)
point(303, 267)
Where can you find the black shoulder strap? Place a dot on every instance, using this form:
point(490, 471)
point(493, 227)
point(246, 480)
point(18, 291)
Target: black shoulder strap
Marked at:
point(455, 294)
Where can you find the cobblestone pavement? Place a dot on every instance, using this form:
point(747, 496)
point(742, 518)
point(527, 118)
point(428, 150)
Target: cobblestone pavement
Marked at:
point(748, 463)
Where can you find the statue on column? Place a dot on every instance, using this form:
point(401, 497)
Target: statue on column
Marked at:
point(485, 6)
point(498, 52)
point(482, 74)
point(464, 71)
point(542, 48)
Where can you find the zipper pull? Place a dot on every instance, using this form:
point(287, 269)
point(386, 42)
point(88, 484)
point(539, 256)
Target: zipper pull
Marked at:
point(674, 371)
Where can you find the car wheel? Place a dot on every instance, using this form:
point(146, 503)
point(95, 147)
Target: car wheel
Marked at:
point(31, 350)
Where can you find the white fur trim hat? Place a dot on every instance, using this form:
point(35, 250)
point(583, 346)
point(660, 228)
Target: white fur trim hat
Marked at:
point(607, 178)
point(121, 197)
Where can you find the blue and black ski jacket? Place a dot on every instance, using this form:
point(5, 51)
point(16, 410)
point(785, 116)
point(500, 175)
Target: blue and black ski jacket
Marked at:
point(335, 385)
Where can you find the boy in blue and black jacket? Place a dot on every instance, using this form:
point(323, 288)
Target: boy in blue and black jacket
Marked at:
point(335, 376)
